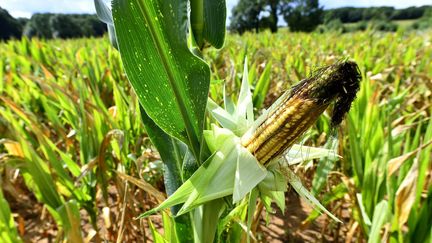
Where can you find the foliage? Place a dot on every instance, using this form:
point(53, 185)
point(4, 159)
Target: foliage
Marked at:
point(245, 16)
point(254, 15)
point(333, 25)
point(63, 103)
point(351, 14)
point(424, 22)
point(49, 26)
point(302, 15)
point(10, 27)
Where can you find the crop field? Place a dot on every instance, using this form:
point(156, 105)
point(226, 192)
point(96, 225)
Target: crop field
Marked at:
point(77, 163)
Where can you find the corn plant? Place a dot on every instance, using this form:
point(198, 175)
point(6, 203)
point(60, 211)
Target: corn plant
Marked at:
point(240, 159)
point(73, 146)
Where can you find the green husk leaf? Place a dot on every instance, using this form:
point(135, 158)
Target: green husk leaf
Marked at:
point(304, 193)
point(216, 178)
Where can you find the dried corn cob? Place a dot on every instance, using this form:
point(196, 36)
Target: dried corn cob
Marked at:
point(301, 106)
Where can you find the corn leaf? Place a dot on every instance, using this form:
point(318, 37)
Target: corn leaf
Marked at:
point(104, 14)
point(262, 87)
point(171, 83)
point(379, 218)
point(172, 152)
point(208, 19)
point(304, 193)
point(218, 176)
point(8, 232)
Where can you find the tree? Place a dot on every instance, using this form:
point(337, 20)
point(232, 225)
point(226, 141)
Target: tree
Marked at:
point(63, 26)
point(38, 26)
point(302, 15)
point(9, 26)
point(256, 14)
point(246, 16)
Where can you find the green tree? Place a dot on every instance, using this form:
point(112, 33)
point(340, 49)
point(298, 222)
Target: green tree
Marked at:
point(38, 26)
point(302, 15)
point(9, 27)
point(64, 26)
point(246, 16)
point(256, 14)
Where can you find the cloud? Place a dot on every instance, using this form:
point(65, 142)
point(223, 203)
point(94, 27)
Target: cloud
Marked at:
point(25, 8)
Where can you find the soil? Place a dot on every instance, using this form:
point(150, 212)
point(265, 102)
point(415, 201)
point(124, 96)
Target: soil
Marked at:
point(36, 225)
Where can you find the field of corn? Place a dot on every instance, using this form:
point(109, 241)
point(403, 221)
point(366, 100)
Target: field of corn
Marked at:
point(76, 161)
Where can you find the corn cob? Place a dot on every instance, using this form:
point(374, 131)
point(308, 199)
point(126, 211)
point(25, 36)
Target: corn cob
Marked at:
point(300, 107)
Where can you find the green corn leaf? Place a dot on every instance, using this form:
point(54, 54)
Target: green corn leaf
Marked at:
point(8, 232)
point(262, 87)
point(157, 237)
point(422, 230)
point(172, 152)
point(228, 103)
point(304, 193)
point(171, 83)
point(244, 103)
point(225, 119)
point(364, 215)
point(104, 14)
point(206, 218)
point(379, 218)
point(336, 193)
point(70, 215)
point(300, 153)
point(208, 19)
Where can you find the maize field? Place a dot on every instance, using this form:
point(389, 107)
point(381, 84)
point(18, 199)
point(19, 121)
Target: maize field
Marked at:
point(77, 163)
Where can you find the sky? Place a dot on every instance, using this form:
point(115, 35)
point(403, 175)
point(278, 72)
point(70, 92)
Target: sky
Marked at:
point(25, 8)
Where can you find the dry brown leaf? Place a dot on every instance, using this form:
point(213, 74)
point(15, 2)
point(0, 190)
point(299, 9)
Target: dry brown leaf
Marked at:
point(112, 111)
point(405, 195)
point(144, 186)
point(106, 217)
point(13, 147)
point(394, 164)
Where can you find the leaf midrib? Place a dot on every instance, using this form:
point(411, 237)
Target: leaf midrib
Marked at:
point(157, 39)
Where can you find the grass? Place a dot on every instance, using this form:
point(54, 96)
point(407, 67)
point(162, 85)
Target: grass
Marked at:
point(71, 133)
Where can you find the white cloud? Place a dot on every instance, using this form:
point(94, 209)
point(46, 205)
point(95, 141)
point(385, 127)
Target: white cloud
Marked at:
point(25, 8)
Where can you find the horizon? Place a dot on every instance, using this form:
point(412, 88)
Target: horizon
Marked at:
point(22, 8)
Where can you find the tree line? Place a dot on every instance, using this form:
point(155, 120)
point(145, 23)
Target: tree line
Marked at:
point(49, 26)
point(352, 15)
point(306, 15)
point(247, 15)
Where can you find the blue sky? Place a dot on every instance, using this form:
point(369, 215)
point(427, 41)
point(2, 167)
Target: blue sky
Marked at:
point(24, 8)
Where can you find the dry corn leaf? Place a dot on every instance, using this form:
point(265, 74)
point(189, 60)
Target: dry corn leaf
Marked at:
point(405, 195)
point(112, 111)
point(143, 185)
point(395, 163)
point(106, 217)
point(13, 147)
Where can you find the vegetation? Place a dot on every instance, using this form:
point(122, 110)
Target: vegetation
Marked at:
point(424, 22)
point(11, 28)
point(256, 15)
point(86, 147)
point(303, 15)
point(300, 15)
point(351, 14)
point(50, 26)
